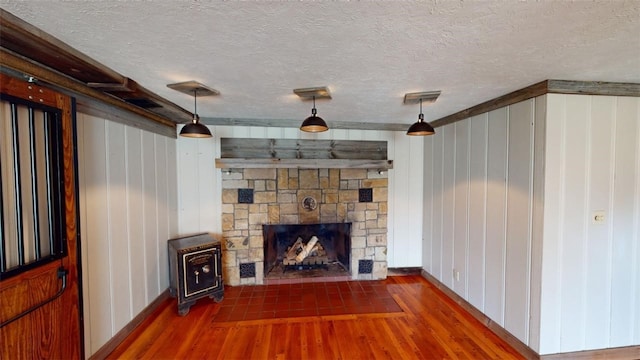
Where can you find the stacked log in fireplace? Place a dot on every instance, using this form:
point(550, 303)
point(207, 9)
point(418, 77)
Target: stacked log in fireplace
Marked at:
point(308, 255)
point(307, 246)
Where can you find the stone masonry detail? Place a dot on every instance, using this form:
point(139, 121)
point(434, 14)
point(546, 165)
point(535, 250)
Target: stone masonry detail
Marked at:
point(278, 199)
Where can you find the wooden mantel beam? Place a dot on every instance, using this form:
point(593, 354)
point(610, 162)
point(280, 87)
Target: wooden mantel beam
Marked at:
point(228, 163)
point(239, 153)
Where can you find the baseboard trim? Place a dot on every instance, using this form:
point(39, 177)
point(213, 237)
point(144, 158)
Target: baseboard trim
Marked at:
point(619, 353)
point(503, 334)
point(404, 271)
point(119, 337)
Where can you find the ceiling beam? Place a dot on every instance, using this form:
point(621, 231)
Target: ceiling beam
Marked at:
point(26, 42)
point(295, 123)
point(593, 88)
point(541, 88)
point(89, 100)
point(502, 101)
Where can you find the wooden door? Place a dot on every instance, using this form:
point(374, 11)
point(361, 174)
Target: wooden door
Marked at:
point(39, 297)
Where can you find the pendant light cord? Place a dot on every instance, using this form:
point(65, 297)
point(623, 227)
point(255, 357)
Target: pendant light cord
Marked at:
point(313, 110)
point(195, 102)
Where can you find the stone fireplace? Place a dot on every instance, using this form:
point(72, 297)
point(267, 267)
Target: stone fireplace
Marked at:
point(252, 198)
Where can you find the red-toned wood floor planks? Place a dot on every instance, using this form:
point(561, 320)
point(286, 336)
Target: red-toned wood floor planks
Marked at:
point(424, 325)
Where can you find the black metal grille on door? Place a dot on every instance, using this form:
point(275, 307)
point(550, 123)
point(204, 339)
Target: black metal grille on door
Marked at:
point(32, 221)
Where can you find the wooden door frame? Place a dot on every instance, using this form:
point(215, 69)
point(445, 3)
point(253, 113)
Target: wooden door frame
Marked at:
point(69, 303)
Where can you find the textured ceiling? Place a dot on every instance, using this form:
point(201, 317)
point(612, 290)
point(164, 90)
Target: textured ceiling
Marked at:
point(369, 54)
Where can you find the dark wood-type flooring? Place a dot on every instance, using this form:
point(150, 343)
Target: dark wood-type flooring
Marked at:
point(281, 322)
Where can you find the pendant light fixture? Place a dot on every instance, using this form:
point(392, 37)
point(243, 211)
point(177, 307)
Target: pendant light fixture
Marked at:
point(194, 129)
point(313, 123)
point(421, 127)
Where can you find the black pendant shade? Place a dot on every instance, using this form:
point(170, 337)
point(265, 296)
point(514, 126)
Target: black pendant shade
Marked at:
point(195, 129)
point(421, 127)
point(314, 123)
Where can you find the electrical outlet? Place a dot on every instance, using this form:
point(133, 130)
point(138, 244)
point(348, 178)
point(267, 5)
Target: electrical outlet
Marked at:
point(598, 217)
point(456, 275)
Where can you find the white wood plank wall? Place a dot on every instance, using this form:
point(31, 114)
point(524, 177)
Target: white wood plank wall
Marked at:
point(509, 200)
point(591, 276)
point(199, 189)
point(478, 191)
point(128, 209)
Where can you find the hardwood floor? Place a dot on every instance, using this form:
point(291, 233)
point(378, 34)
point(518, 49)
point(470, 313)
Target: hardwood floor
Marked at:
point(430, 326)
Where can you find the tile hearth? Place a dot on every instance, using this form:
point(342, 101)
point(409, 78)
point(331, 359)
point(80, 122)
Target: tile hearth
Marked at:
point(243, 303)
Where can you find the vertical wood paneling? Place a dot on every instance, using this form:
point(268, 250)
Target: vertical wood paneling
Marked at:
point(553, 219)
point(461, 206)
point(388, 136)
point(623, 222)
point(552, 277)
point(291, 133)
point(448, 201)
point(257, 132)
point(240, 131)
point(135, 202)
point(205, 189)
point(477, 209)
point(357, 134)
point(95, 232)
point(401, 210)
point(636, 237)
point(342, 134)
point(149, 216)
point(496, 214)
point(577, 119)
point(82, 210)
point(172, 192)
point(597, 241)
point(589, 276)
point(428, 201)
point(438, 202)
point(188, 195)
point(127, 210)
point(117, 219)
point(519, 194)
point(274, 133)
point(485, 166)
point(539, 124)
point(162, 209)
point(409, 253)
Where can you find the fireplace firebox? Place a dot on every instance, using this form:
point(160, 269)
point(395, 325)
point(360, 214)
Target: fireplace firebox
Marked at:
point(331, 240)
